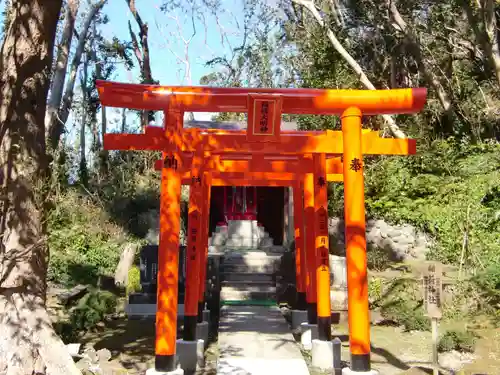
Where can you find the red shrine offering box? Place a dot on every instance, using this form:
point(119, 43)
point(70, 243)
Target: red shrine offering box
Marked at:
point(264, 117)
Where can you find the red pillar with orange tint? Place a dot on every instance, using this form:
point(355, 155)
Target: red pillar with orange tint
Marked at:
point(310, 246)
point(168, 266)
point(300, 253)
point(204, 243)
point(322, 267)
point(355, 240)
point(194, 250)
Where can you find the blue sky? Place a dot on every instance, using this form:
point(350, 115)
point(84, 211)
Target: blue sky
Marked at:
point(168, 34)
point(165, 38)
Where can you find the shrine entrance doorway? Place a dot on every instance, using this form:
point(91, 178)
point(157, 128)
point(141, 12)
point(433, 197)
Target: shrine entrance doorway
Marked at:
point(250, 203)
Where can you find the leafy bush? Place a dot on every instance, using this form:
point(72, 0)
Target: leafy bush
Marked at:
point(134, 280)
point(92, 309)
point(488, 285)
point(375, 291)
point(401, 303)
point(82, 241)
point(462, 341)
point(377, 259)
point(435, 189)
point(407, 314)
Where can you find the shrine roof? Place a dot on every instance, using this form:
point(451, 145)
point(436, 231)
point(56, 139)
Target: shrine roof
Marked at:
point(232, 125)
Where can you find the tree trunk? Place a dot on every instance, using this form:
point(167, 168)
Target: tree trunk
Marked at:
point(56, 88)
point(491, 31)
point(142, 54)
point(27, 337)
point(415, 49)
point(365, 81)
point(57, 128)
point(83, 125)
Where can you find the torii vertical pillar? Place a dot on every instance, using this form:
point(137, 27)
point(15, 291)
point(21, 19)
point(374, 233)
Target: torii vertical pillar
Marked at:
point(300, 253)
point(207, 188)
point(355, 239)
point(194, 251)
point(322, 267)
point(310, 246)
point(168, 255)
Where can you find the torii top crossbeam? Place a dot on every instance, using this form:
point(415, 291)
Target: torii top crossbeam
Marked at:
point(294, 101)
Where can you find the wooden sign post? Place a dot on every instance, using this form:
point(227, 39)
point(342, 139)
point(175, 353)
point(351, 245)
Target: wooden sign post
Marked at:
point(432, 285)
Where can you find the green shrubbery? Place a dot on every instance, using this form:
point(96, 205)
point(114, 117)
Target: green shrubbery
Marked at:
point(462, 341)
point(400, 302)
point(83, 241)
point(435, 190)
point(449, 190)
point(92, 309)
point(134, 280)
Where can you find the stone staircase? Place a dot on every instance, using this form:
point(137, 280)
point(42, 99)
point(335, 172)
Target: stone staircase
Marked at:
point(249, 277)
point(242, 235)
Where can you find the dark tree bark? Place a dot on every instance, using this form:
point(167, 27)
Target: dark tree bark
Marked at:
point(27, 341)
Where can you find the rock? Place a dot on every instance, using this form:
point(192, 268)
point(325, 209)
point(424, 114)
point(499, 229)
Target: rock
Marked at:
point(104, 355)
point(74, 349)
point(126, 261)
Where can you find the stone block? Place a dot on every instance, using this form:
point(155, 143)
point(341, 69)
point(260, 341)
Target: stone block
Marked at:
point(322, 355)
point(206, 315)
point(298, 317)
point(153, 371)
point(202, 330)
point(348, 371)
point(190, 355)
point(308, 333)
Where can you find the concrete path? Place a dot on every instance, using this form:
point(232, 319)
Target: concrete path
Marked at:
point(256, 340)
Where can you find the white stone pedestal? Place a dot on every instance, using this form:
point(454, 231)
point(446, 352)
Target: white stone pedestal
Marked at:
point(152, 371)
point(322, 355)
point(348, 371)
point(309, 332)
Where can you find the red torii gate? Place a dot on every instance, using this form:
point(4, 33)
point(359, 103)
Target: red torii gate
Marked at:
point(263, 135)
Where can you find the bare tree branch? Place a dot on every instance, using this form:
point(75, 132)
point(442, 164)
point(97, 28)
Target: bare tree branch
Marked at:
point(311, 7)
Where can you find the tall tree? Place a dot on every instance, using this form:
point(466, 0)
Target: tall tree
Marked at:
point(59, 76)
point(57, 127)
point(28, 343)
point(141, 51)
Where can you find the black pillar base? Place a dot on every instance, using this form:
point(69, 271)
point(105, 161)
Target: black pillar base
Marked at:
point(165, 363)
point(301, 301)
point(325, 328)
point(201, 307)
point(189, 333)
point(312, 313)
point(360, 362)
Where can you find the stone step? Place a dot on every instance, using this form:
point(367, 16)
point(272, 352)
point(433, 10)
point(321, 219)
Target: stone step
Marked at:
point(244, 284)
point(256, 340)
point(254, 254)
point(231, 294)
point(248, 268)
point(243, 242)
point(247, 276)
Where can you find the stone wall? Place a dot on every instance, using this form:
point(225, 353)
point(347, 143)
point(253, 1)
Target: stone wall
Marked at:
point(400, 241)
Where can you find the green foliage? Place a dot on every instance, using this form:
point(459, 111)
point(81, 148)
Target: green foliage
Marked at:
point(92, 309)
point(400, 301)
point(134, 280)
point(462, 341)
point(488, 283)
point(375, 291)
point(435, 190)
point(378, 259)
point(83, 242)
point(406, 314)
